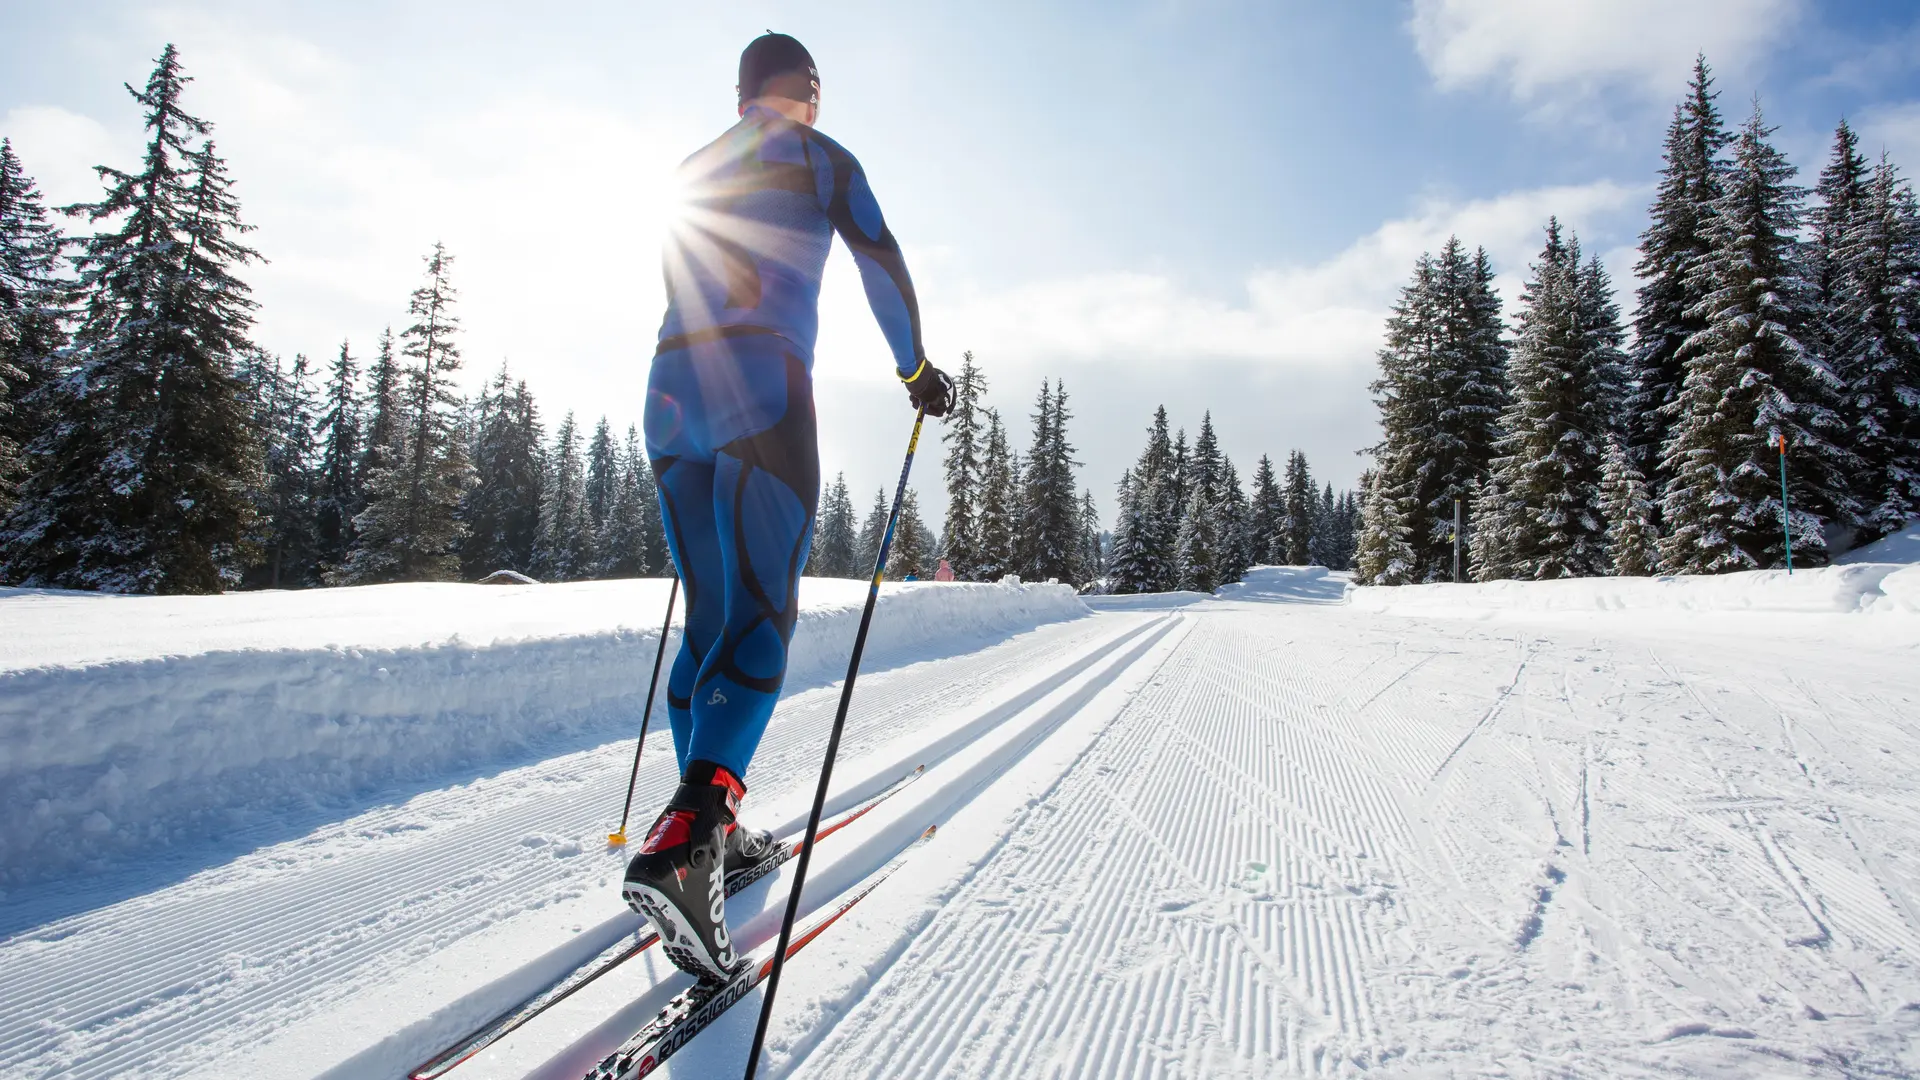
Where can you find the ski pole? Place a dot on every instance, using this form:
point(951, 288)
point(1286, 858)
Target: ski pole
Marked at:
point(618, 837)
point(833, 750)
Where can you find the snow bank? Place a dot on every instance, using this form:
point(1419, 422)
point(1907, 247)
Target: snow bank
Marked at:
point(1901, 547)
point(1864, 587)
point(128, 723)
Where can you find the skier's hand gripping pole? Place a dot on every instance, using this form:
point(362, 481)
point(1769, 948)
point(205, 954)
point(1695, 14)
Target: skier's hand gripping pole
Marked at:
point(833, 750)
point(618, 837)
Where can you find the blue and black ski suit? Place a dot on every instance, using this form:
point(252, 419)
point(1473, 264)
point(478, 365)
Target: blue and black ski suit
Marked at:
point(729, 418)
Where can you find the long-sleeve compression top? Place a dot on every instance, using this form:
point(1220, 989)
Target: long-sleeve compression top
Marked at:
point(760, 205)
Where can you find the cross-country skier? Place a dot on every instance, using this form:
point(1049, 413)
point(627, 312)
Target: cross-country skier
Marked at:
point(730, 432)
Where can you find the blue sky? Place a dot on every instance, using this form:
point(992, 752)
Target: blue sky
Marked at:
point(1206, 204)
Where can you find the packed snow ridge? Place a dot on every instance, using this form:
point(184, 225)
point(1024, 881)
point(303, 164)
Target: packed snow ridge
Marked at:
point(130, 723)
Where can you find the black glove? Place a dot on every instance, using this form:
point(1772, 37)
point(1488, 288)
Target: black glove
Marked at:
point(931, 389)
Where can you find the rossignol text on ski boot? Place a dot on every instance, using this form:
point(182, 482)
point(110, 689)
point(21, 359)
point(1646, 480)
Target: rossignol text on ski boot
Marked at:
point(678, 880)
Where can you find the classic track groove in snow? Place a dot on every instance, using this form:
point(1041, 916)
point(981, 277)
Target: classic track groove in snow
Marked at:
point(1267, 834)
point(187, 974)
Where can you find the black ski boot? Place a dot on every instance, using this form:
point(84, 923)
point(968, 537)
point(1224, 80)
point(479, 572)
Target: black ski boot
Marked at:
point(678, 880)
point(747, 848)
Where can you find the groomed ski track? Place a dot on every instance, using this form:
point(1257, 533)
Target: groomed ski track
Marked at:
point(1258, 835)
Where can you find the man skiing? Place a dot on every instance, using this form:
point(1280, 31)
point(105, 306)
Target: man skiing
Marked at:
point(730, 432)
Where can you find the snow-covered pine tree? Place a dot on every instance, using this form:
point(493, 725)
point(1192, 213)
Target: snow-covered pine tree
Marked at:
point(564, 550)
point(1233, 513)
point(911, 552)
point(337, 494)
point(1199, 544)
point(148, 474)
point(603, 477)
point(1603, 337)
point(1179, 475)
point(1347, 536)
point(1633, 542)
point(623, 542)
point(411, 529)
point(1323, 548)
point(1876, 322)
point(1297, 499)
point(1203, 463)
point(33, 319)
point(1750, 378)
point(289, 527)
point(383, 408)
point(834, 541)
point(1492, 514)
point(1267, 519)
point(1384, 551)
point(1442, 386)
point(1093, 556)
point(1670, 248)
point(965, 437)
point(502, 509)
point(1133, 565)
point(1839, 198)
point(1555, 426)
point(999, 501)
point(1049, 529)
point(872, 531)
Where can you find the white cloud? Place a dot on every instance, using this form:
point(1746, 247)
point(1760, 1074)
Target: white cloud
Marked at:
point(1542, 50)
point(1894, 128)
point(59, 150)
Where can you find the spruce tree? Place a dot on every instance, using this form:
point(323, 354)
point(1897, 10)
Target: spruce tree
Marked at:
point(383, 409)
point(1234, 514)
point(410, 530)
point(1751, 379)
point(144, 482)
point(564, 549)
point(1384, 552)
point(1267, 521)
point(872, 531)
point(288, 556)
point(965, 436)
point(337, 491)
point(1876, 340)
point(834, 551)
point(603, 478)
point(1203, 464)
point(1839, 199)
point(1632, 539)
point(1131, 563)
point(1441, 389)
point(1555, 427)
point(1093, 558)
point(1324, 548)
point(33, 319)
point(502, 509)
point(1670, 295)
point(912, 553)
point(623, 542)
point(1198, 549)
point(1299, 505)
point(1049, 533)
point(999, 502)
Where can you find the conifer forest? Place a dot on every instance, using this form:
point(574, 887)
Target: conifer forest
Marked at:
point(1764, 391)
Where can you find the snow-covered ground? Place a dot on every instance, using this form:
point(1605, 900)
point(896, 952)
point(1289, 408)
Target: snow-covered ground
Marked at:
point(1661, 828)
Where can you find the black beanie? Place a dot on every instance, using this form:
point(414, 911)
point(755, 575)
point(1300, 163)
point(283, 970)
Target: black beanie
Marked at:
point(770, 56)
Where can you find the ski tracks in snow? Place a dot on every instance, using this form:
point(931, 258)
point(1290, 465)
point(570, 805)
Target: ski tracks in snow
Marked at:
point(1319, 844)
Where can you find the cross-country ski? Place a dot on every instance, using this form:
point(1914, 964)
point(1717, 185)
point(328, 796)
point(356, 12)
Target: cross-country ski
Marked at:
point(960, 542)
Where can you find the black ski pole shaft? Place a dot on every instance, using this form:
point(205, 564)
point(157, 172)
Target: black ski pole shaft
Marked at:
point(833, 750)
point(619, 836)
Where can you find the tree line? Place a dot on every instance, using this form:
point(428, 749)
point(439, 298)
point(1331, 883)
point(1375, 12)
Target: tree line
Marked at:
point(1769, 333)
